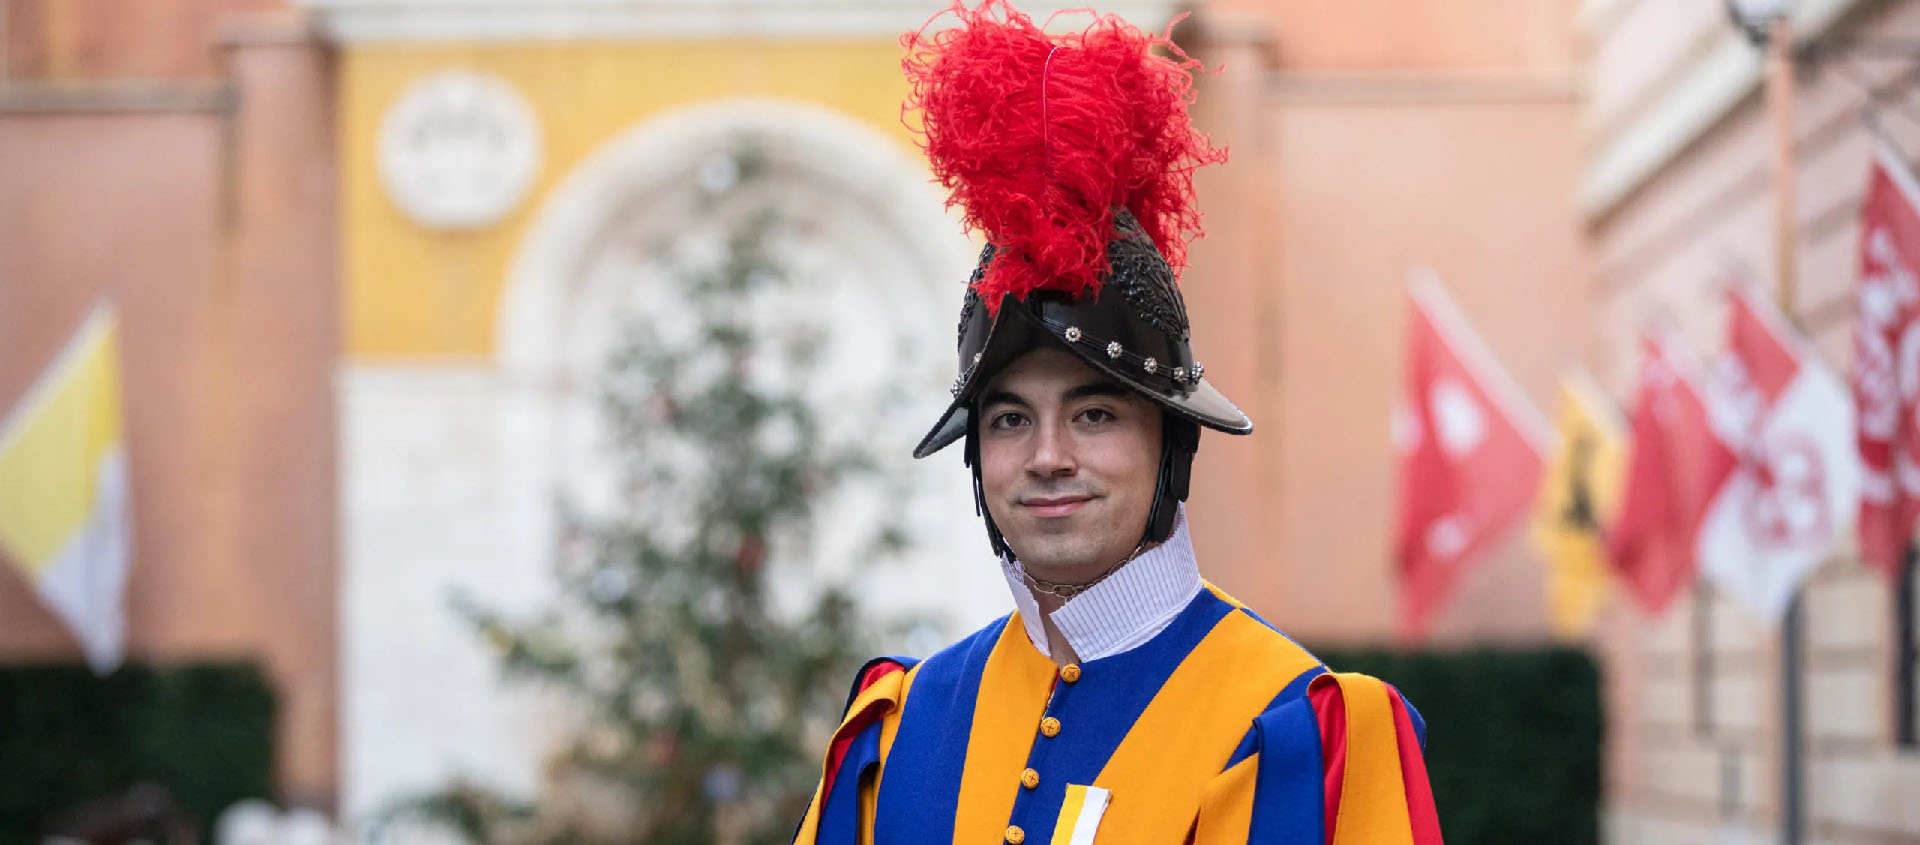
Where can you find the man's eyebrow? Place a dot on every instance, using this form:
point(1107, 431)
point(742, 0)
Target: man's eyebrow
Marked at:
point(1097, 388)
point(1003, 397)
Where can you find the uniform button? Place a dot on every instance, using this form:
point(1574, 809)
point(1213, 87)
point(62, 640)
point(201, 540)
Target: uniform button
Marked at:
point(1070, 672)
point(1015, 835)
point(1049, 727)
point(1029, 778)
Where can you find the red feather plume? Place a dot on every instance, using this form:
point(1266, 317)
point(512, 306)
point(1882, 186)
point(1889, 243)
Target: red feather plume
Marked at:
point(1040, 138)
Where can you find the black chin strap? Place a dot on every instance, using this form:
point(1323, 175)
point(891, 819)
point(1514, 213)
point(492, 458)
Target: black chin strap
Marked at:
point(971, 454)
point(1179, 441)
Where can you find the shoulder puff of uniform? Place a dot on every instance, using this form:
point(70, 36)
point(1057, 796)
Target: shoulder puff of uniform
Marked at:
point(1330, 693)
point(877, 690)
point(1343, 763)
point(873, 672)
point(1373, 757)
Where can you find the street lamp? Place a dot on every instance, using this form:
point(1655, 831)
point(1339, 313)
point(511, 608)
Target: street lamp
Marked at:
point(1769, 25)
point(1757, 17)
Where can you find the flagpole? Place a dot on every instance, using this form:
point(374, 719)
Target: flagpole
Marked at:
point(1780, 107)
point(1904, 648)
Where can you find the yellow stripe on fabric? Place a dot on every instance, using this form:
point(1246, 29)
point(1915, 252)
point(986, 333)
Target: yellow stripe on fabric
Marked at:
point(1069, 813)
point(869, 805)
point(1373, 798)
point(891, 726)
point(53, 442)
point(1169, 754)
point(1220, 594)
point(886, 692)
point(887, 689)
point(1013, 694)
point(1226, 806)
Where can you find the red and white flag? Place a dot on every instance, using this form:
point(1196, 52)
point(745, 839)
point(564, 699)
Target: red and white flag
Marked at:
point(1675, 466)
point(1470, 447)
point(1886, 361)
point(1797, 479)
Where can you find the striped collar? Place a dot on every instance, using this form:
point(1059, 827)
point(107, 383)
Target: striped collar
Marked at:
point(1127, 609)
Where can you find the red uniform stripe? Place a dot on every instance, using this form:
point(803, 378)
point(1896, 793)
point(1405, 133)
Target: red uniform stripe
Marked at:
point(1330, 709)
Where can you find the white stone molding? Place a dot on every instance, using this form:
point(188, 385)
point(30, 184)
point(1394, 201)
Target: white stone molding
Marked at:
point(357, 21)
point(1698, 97)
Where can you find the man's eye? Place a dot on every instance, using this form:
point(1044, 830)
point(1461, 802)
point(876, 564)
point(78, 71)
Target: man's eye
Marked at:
point(1097, 415)
point(1008, 419)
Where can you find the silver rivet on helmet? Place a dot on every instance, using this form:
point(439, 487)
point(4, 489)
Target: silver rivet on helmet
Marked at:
point(976, 359)
point(1195, 375)
point(1113, 349)
point(1152, 366)
point(1073, 334)
point(1179, 374)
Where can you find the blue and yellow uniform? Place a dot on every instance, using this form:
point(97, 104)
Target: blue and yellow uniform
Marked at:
point(1188, 718)
point(1218, 729)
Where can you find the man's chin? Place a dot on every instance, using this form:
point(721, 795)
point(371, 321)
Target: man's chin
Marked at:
point(1059, 561)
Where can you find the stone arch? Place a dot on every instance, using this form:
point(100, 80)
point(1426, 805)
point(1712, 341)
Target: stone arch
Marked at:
point(881, 195)
point(841, 151)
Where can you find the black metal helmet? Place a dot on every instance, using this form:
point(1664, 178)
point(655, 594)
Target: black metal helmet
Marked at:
point(1075, 155)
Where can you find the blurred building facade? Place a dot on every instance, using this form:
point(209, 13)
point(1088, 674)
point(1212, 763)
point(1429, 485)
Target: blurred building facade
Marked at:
point(1676, 194)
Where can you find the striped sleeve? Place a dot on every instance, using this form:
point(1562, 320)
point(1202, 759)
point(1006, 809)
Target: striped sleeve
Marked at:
point(840, 813)
point(1342, 765)
point(1374, 760)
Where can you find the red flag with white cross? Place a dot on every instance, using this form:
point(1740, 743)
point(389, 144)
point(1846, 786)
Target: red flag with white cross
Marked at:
point(1471, 449)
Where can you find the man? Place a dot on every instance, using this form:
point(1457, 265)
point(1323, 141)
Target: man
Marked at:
point(1125, 700)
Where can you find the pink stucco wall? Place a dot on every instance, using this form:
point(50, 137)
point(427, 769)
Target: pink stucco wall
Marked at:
point(210, 226)
point(1452, 147)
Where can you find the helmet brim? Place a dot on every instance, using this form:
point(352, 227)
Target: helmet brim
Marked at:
point(1019, 330)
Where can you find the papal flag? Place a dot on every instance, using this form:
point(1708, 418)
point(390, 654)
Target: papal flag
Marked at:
point(64, 518)
point(1579, 493)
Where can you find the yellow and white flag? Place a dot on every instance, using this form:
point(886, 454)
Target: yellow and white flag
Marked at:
point(64, 516)
point(1579, 493)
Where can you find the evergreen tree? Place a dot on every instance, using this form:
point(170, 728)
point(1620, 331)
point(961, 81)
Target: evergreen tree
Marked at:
point(698, 702)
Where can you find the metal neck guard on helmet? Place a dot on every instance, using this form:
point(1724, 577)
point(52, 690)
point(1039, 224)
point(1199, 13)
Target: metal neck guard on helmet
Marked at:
point(1075, 155)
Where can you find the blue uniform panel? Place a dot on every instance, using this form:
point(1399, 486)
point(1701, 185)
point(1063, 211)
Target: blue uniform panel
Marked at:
point(922, 778)
point(1288, 802)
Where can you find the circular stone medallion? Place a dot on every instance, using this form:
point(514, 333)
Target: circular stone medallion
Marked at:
point(458, 149)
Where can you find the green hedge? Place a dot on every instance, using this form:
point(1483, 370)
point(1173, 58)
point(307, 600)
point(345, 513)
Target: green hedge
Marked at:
point(204, 732)
point(1513, 738)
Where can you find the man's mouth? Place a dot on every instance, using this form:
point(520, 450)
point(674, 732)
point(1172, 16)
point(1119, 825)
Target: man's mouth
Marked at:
point(1054, 506)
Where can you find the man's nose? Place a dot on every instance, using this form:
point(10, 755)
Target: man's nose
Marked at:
point(1052, 451)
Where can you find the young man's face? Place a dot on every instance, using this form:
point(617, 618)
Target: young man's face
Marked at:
point(1068, 463)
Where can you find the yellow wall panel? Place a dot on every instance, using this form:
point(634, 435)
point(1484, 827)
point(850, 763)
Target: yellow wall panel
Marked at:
point(416, 293)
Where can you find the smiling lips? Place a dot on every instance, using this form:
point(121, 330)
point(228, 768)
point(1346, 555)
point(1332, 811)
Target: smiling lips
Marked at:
point(1055, 506)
